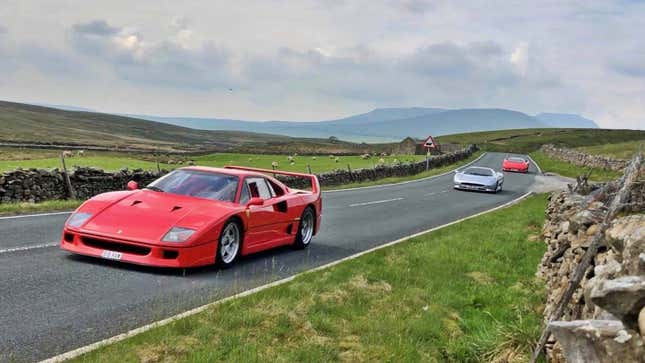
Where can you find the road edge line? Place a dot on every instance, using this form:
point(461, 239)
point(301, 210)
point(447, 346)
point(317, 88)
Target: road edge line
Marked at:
point(35, 215)
point(534, 163)
point(117, 338)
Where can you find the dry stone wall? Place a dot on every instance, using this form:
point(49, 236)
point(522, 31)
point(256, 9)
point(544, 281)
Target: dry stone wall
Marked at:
point(36, 185)
point(583, 159)
point(605, 319)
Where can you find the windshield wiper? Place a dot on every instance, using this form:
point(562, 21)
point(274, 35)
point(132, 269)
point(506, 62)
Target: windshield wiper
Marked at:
point(154, 188)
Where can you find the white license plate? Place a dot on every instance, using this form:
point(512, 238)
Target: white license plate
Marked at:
point(111, 255)
point(516, 169)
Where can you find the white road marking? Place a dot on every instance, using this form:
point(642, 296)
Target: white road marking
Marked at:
point(534, 163)
point(432, 193)
point(117, 338)
point(375, 202)
point(444, 191)
point(36, 215)
point(27, 248)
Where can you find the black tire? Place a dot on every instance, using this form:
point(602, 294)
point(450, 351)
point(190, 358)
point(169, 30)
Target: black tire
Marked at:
point(227, 254)
point(306, 229)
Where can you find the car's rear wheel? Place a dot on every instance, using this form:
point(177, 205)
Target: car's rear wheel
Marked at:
point(230, 243)
point(305, 228)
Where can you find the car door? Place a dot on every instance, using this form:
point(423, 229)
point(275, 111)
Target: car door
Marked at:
point(263, 220)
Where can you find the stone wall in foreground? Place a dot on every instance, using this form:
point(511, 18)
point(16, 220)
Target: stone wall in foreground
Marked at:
point(36, 185)
point(605, 319)
point(583, 159)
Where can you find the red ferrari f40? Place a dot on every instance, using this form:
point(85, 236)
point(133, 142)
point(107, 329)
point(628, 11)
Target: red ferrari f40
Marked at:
point(515, 163)
point(196, 216)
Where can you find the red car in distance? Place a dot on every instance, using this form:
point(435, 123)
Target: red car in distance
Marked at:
point(196, 216)
point(515, 163)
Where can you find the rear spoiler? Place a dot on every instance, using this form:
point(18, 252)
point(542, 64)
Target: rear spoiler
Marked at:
point(315, 185)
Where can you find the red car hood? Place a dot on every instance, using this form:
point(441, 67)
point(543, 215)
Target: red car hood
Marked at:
point(146, 216)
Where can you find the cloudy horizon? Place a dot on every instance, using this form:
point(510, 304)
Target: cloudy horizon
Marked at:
point(318, 60)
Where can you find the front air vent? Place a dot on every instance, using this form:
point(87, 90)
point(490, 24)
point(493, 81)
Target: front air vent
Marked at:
point(175, 208)
point(135, 203)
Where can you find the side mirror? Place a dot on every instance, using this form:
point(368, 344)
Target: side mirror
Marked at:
point(132, 185)
point(255, 201)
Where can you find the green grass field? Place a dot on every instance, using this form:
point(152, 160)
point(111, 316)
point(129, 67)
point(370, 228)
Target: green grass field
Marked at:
point(431, 298)
point(528, 140)
point(13, 158)
point(621, 150)
point(563, 168)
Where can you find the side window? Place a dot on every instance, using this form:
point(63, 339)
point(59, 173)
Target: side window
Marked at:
point(277, 191)
point(259, 188)
point(245, 195)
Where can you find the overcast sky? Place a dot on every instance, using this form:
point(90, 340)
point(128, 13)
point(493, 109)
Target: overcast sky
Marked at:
point(316, 59)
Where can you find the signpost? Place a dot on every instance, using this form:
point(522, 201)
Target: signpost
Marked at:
point(429, 144)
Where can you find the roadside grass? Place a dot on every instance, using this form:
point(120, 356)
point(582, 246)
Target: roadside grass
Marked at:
point(564, 168)
point(46, 206)
point(622, 150)
point(399, 179)
point(465, 293)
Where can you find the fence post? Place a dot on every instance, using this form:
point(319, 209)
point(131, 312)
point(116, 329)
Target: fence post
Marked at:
point(70, 188)
point(349, 169)
point(309, 169)
point(427, 159)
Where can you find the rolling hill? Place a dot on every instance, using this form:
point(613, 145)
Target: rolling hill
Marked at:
point(30, 124)
point(391, 124)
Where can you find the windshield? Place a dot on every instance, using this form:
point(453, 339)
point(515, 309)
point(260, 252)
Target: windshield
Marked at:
point(199, 184)
point(479, 172)
point(516, 160)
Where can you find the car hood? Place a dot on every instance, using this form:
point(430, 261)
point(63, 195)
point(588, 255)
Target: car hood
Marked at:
point(468, 178)
point(146, 216)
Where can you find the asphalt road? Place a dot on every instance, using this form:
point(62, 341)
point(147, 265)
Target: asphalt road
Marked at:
point(52, 302)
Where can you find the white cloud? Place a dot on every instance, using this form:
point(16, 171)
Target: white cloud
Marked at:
point(520, 58)
point(318, 59)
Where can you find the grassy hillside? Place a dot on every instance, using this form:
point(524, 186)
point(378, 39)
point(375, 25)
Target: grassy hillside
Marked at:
point(36, 124)
point(527, 140)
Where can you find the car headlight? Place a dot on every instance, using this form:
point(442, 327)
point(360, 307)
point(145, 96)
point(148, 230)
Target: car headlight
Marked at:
point(78, 219)
point(178, 234)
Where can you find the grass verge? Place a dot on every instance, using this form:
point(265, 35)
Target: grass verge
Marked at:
point(463, 293)
point(46, 206)
point(621, 150)
point(399, 179)
point(564, 168)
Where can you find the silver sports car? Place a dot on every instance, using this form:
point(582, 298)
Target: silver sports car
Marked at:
point(478, 178)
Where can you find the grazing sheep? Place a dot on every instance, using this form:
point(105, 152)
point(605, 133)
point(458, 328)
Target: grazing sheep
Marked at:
point(290, 158)
point(366, 156)
point(80, 153)
point(336, 159)
point(331, 156)
point(292, 163)
point(381, 161)
point(313, 158)
point(68, 153)
point(274, 164)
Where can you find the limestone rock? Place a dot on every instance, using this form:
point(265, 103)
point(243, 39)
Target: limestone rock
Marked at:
point(624, 297)
point(597, 341)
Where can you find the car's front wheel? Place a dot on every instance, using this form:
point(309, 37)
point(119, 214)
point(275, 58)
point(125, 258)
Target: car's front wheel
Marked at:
point(229, 246)
point(305, 228)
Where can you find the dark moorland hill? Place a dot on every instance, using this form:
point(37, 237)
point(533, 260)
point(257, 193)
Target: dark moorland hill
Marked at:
point(29, 124)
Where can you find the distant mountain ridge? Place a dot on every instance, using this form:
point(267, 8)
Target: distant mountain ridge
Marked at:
point(391, 124)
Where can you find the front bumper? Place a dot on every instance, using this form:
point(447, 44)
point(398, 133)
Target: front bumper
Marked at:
point(516, 170)
point(137, 253)
point(479, 188)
